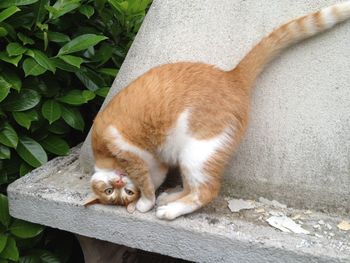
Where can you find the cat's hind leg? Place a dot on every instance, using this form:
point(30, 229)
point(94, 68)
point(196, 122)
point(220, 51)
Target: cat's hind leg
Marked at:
point(171, 195)
point(201, 169)
point(186, 202)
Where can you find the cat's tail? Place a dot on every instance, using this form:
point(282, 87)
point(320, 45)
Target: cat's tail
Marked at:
point(294, 31)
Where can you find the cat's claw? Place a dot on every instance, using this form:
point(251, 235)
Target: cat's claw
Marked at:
point(144, 205)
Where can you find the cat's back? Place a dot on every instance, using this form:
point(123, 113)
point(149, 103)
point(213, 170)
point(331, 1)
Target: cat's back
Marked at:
point(153, 103)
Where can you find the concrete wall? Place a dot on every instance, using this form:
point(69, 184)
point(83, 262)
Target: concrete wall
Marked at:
point(297, 148)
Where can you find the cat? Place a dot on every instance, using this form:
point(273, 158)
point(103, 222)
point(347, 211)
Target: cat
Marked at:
point(189, 115)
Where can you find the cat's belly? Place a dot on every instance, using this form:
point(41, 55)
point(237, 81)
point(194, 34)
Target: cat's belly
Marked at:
point(181, 149)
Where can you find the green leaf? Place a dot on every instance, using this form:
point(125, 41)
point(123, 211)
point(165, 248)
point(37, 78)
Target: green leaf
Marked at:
point(10, 29)
point(73, 117)
point(12, 60)
point(48, 257)
point(109, 71)
point(4, 211)
point(4, 88)
point(75, 97)
point(22, 101)
point(15, 49)
point(80, 43)
point(64, 66)
point(24, 229)
point(31, 67)
point(8, 136)
point(8, 12)
point(55, 145)
point(90, 79)
point(40, 11)
point(10, 251)
point(46, 40)
point(58, 37)
point(51, 110)
point(31, 151)
point(72, 60)
point(121, 7)
point(87, 10)
point(30, 259)
point(24, 169)
point(43, 60)
point(62, 7)
point(49, 87)
point(5, 152)
point(88, 95)
point(3, 32)
point(102, 92)
point(25, 40)
point(11, 77)
point(59, 127)
point(25, 118)
point(3, 241)
point(7, 3)
point(104, 53)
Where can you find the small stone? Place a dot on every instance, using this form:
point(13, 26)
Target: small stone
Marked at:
point(331, 234)
point(317, 226)
point(344, 225)
point(308, 212)
point(260, 210)
point(321, 222)
point(275, 213)
point(286, 224)
point(318, 235)
point(236, 205)
point(297, 216)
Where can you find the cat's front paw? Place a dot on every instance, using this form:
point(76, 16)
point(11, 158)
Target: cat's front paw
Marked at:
point(143, 204)
point(172, 210)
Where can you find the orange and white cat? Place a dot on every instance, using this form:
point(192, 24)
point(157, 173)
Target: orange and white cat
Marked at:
point(189, 115)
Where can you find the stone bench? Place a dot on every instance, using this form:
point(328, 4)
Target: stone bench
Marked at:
point(296, 150)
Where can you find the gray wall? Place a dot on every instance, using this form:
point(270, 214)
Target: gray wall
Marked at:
point(297, 148)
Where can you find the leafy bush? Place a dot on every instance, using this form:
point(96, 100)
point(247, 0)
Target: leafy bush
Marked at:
point(57, 62)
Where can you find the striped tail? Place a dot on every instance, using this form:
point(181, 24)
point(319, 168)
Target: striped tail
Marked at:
point(292, 32)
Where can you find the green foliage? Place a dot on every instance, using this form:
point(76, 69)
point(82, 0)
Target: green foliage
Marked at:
point(58, 59)
point(11, 230)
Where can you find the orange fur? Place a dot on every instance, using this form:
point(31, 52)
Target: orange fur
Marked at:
point(146, 110)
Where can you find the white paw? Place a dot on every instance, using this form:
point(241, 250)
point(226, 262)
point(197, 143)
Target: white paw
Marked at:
point(174, 210)
point(143, 204)
point(161, 198)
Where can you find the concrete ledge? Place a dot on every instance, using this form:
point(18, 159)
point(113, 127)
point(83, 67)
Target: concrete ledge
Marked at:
point(53, 195)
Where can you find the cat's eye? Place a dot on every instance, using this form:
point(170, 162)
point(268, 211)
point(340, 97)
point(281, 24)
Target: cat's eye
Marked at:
point(109, 191)
point(129, 192)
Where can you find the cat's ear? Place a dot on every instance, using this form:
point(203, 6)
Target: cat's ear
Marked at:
point(91, 201)
point(131, 207)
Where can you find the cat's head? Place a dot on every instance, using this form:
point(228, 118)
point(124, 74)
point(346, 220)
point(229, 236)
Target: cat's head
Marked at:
point(114, 188)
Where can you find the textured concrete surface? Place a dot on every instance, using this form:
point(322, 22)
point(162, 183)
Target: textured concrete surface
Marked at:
point(53, 195)
point(297, 148)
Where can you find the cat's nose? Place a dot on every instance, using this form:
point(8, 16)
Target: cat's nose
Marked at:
point(118, 183)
